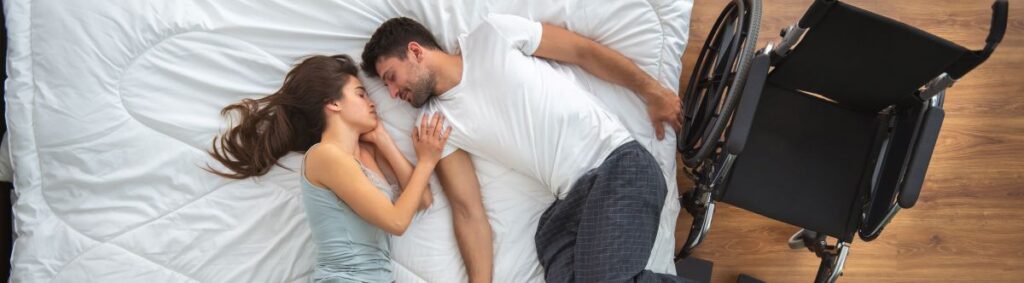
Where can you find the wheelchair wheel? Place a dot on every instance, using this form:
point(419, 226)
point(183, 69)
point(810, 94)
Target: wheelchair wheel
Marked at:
point(717, 80)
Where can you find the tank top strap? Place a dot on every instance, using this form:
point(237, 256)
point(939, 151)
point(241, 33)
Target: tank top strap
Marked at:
point(302, 168)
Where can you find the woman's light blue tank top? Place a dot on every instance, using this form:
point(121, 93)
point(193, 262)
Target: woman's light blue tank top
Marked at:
point(348, 249)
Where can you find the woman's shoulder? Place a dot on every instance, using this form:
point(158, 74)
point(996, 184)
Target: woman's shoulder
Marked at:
point(326, 157)
point(326, 150)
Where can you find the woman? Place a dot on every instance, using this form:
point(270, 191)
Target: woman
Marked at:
point(323, 109)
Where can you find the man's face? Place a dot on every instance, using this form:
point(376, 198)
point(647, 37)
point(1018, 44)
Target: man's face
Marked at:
point(407, 79)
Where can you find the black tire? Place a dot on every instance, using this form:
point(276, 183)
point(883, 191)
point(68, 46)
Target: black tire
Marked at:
point(700, 136)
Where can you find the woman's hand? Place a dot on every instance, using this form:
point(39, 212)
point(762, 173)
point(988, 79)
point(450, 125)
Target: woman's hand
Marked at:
point(429, 138)
point(377, 136)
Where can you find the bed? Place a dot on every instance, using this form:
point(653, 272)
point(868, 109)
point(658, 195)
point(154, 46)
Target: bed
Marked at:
point(112, 105)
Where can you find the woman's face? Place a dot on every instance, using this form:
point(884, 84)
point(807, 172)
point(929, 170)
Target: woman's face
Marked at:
point(356, 109)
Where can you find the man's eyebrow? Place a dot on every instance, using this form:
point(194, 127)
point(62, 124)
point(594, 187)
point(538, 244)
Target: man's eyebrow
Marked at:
point(361, 88)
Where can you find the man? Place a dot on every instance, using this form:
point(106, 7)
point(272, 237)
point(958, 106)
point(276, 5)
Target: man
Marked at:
point(508, 105)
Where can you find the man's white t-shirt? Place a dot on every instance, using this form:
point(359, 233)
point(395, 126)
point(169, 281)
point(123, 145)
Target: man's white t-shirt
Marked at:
point(517, 110)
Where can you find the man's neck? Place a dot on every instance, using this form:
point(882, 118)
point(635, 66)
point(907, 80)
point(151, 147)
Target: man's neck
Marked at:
point(448, 71)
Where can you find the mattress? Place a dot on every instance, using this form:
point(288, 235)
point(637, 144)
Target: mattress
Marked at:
point(112, 106)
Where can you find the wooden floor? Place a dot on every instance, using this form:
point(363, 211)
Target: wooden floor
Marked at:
point(968, 225)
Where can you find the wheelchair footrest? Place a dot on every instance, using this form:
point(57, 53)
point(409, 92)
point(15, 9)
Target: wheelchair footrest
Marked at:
point(747, 279)
point(697, 270)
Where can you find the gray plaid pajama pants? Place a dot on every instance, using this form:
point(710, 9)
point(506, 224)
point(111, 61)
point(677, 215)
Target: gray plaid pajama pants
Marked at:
point(604, 229)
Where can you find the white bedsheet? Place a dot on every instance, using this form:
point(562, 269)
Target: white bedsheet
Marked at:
point(113, 104)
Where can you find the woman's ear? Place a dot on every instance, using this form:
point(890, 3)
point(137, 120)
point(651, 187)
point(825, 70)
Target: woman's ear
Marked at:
point(333, 106)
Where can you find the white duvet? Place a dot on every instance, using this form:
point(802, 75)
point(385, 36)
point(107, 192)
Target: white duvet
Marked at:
point(112, 106)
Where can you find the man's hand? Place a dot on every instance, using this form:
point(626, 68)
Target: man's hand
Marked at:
point(663, 106)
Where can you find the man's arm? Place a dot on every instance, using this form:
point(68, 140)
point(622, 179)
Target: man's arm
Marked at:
point(472, 230)
point(663, 106)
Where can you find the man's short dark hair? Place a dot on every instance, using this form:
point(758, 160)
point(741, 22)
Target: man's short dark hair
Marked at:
point(391, 39)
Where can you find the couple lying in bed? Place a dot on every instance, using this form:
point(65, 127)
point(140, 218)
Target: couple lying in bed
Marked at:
point(499, 99)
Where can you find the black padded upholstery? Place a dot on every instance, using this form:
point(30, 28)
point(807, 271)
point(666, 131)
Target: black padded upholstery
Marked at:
point(863, 60)
point(804, 162)
point(921, 156)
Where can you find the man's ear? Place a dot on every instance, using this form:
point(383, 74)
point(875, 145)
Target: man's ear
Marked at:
point(416, 51)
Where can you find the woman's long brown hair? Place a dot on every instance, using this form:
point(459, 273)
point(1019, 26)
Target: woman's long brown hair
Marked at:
point(291, 119)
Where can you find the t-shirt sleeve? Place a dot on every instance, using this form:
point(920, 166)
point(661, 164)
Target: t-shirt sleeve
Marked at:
point(522, 33)
point(448, 147)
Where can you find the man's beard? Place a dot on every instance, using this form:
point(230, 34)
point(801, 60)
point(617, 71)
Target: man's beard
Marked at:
point(422, 90)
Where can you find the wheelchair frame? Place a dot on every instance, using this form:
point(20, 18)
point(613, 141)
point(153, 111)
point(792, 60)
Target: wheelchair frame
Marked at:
point(718, 109)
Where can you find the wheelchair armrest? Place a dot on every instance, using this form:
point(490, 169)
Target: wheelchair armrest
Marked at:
point(744, 117)
point(920, 157)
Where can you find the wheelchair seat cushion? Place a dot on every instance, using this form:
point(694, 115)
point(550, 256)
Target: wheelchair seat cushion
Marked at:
point(804, 162)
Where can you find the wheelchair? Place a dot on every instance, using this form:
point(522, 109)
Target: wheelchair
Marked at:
point(830, 130)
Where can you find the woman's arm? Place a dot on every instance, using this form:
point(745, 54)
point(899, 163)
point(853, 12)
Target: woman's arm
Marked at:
point(399, 165)
point(340, 172)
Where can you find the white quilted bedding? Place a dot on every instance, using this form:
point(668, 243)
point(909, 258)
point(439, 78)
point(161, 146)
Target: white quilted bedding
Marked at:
point(112, 105)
